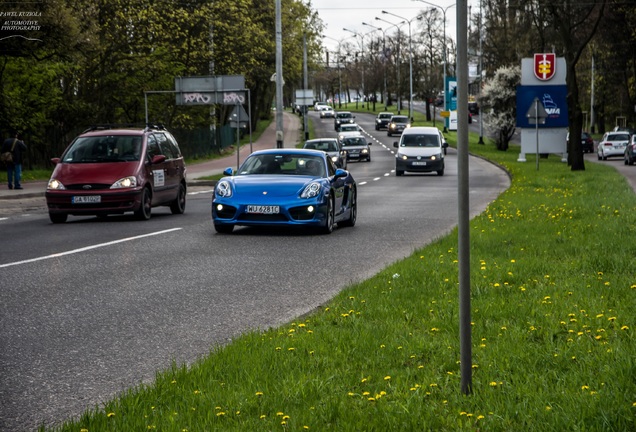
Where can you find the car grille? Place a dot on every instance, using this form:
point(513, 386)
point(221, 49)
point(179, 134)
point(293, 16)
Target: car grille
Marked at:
point(249, 217)
point(88, 186)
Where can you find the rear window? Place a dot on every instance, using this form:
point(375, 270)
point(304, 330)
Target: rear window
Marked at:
point(618, 137)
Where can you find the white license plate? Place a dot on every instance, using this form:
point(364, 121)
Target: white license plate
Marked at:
point(263, 209)
point(86, 199)
point(419, 163)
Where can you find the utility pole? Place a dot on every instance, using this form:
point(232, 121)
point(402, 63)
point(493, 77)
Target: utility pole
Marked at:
point(279, 77)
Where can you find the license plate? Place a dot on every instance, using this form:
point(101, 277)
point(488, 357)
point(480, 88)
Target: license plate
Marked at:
point(86, 199)
point(419, 163)
point(263, 209)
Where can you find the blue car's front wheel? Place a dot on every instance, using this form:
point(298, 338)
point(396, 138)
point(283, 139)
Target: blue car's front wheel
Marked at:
point(329, 218)
point(223, 229)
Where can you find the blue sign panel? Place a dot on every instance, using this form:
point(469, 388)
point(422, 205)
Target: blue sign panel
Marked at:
point(554, 100)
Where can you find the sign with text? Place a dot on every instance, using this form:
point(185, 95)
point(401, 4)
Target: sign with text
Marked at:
point(553, 100)
point(210, 90)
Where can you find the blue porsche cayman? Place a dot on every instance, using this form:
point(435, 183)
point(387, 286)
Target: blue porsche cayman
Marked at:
point(278, 187)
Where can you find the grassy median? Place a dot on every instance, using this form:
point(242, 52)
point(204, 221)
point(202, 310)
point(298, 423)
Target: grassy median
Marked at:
point(553, 311)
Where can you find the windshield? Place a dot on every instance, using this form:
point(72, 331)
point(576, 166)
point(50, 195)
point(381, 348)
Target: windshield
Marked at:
point(420, 141)
point(344, 115)
point(286, 164)
point(346, 128)
point(355, 141)
point(113, 148)
point(399, 119)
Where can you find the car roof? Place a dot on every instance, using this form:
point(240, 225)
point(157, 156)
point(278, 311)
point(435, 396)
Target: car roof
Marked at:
point(421, 130)
point(321, 139)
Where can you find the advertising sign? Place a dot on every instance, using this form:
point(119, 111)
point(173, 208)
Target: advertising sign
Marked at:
point(553, 99)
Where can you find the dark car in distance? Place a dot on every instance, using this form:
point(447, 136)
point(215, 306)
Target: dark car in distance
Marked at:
point(398, 124)
point(382, 120)
point(114, 171)
point(342, 117)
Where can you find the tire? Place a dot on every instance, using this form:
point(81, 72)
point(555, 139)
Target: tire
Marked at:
point(398, 173)
point(328, 228)
point(145, 209)
point(178, 205)
point(224, 229)
point(353, 216)
point(369, 159)
point(440, 172)
point(388, 133)
point(58, 218)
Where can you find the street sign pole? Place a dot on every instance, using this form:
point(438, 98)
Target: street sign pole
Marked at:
point(536, 115)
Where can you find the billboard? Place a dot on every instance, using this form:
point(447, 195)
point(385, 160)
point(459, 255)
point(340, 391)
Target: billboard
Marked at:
point(554, 100)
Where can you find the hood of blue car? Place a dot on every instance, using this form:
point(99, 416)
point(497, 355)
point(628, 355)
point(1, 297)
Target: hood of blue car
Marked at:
point(272, 185)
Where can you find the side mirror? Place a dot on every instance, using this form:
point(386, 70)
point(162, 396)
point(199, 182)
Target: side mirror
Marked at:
point(56, 161)
point(395, 144)
point(228, 171)
point(157, 159)
point(444, 144)
point(340, 173)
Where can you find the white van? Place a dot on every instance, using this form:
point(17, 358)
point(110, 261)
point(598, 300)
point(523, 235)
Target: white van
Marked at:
point(420, 149)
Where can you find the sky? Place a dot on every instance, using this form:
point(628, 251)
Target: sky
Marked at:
point(350, 14)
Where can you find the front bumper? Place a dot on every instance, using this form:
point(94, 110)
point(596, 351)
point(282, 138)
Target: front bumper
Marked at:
point(299, 212)
point(419, 165)
point(111, 202)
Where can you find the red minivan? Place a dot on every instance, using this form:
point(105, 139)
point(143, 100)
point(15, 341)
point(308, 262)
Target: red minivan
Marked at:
point(113, 171)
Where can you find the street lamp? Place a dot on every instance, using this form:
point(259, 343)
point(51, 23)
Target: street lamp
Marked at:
point(361, 36)
point(410, 61)
point(399, 93)
point(339, 75)
point(444, 44)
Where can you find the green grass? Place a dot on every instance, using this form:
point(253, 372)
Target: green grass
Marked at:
point(553, 301)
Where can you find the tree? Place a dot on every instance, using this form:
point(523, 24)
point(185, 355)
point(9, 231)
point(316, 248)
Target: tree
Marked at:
point(499, 99)
point(575, 24)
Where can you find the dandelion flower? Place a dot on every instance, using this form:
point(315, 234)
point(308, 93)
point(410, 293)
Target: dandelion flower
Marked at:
point(259, 393)
point(386, 378)
point(110, 414)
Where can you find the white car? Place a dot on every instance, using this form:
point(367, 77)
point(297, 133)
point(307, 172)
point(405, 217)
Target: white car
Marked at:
point(612, 144)
point(349, 130)
point(319, 106)
point(327, 112)
point(420, 149)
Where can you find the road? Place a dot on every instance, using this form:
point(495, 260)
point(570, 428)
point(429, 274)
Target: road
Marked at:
point(93, 307)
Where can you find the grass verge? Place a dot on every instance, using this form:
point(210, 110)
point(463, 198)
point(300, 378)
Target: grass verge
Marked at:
point(553, 300)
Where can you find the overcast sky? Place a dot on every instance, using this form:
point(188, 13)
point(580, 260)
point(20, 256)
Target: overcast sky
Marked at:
point(350, 14)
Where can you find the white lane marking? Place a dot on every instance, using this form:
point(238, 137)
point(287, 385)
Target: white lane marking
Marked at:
point(87, 248)
point(201, 192)
point(1, 219)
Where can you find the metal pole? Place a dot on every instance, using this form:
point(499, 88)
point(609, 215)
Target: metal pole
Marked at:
point(464, 197)
point(279, 77)
point(536, 127)
point(481, 74)
point(305, 84)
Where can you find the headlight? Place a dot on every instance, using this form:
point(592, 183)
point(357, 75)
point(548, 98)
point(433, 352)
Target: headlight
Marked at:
point(402, 156)
point(126, 182)
point(55, 185)
point(335, 158)
point(223, 189)
point(408, 125)
point(311, 190)
point(340, 137)
point(364, 151)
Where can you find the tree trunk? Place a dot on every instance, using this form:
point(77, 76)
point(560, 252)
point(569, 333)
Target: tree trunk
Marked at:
point(575, 152)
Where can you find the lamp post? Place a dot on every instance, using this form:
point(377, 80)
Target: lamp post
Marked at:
point(444, 46)
point(361, 36)
point(338, 65)
point(384, 54)
point(410, 60)
point(399, 93)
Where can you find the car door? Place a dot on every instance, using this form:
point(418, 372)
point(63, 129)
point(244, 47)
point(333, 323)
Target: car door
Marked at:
point(339, 188)
point(157, 172)
point(171, 165)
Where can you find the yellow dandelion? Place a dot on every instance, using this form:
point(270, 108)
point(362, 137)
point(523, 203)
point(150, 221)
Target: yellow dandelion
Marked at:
point(351, 394)
point(262, 416)
point(291, 349)
point(493, 384)
point(386, 378)
point(480, 417)
point(305, 427)
point(110, 414)
point(366, 393)
point(584, 387)
point(599, 316)
point(285, 417)
point(259, 393)
point(220, 414)
point(363, 380)
point(612, 319)
point(280, 413)
point(371, 399)
point(624, 327)
point(512, 261)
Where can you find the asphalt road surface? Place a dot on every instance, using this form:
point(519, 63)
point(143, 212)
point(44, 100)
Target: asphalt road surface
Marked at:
point(95, 306)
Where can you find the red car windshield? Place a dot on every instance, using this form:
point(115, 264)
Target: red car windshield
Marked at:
point(111, 148)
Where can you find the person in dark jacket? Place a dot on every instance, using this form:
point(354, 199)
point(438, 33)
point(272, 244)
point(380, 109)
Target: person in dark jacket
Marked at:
point(14, 169)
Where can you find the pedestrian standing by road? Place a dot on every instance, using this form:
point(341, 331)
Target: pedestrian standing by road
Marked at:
point(17, 148)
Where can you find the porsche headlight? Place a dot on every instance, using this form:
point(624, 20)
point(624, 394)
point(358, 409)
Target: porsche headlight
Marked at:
point(311, 190)
point(126, 182)
point(223, 189)
point(55, 185)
